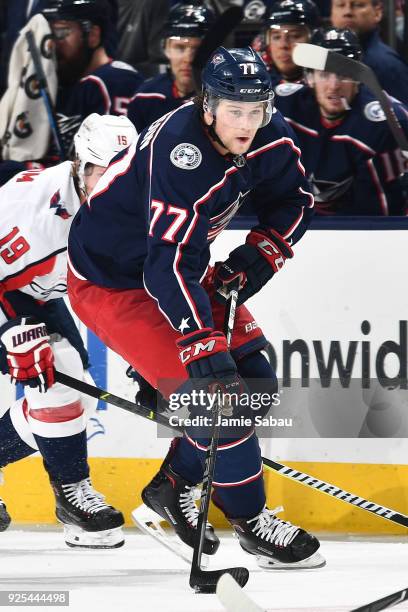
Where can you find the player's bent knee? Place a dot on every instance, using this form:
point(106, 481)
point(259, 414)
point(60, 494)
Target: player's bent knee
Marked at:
point(261, 380)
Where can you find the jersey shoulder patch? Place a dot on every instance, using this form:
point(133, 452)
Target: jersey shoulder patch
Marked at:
point(374, 112)
point(122, 66)
point(186, 156)
point(287, 89)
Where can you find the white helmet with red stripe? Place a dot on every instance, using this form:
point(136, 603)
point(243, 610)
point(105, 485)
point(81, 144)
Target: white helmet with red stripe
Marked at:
point(100, 138)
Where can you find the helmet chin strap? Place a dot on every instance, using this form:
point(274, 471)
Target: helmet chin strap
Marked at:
point(239, 160)
point(213, 134)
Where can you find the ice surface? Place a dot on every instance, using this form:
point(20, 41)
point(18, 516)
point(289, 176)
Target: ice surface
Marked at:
point(144, 577)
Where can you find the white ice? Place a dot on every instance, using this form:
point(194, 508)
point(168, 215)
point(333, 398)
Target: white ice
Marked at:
point(144, 577)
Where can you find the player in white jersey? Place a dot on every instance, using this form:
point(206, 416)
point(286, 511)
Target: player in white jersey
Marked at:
point(37, 332)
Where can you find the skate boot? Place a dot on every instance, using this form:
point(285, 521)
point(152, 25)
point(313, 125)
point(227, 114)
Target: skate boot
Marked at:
point(277, 544)
point(5, 518)
point(172, 498)
point(88, 521)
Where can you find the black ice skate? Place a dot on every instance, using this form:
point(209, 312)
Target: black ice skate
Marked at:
point(277, 544)
point(88, 521)
point(171, 498)
point(5, 518)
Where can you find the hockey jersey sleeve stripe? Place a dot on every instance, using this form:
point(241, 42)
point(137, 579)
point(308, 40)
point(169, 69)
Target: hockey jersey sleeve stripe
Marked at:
point(380, 192)
point(298, 221)
point(74, 271)
point(176, 262)
point(159, 96)
point(309, 195)
point(102, 88)
point(277, 143)
point(158, 305)
point(361, 145)
point(185, 240)
point(114, 171)
point(301, 127)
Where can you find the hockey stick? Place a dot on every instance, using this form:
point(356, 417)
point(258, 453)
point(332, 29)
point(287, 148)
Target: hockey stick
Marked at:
point(320, 58)
point(305, 479)
point(43, 86)
point(223, 26)
point(389, 601)
point(200, 580)
point(234, 599)
point(333, 491)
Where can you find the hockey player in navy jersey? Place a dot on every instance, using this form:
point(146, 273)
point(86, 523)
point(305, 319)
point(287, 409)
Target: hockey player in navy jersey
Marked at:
point(37, 331)
point(138, 276)
point(286, 23)
point(350, 155)
point(89, 81)
point(186, 26)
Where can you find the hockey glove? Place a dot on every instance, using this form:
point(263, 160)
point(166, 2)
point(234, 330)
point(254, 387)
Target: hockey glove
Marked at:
point(255, 262)
point(208, 362)
point(30, 359)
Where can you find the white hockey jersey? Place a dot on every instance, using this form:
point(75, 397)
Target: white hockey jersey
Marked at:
point(36, 211)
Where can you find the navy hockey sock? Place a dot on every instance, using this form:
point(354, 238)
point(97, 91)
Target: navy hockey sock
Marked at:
point(238, 479)
point(242, 501)
point(185, 461)
point(12, 447)
point(65, 458)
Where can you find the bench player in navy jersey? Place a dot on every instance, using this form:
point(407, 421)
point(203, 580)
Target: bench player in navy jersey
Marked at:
point(286, 23)
point(138, 276)
point(36, 210)
point(186, 26)
point(350, 155)
point(89, 80)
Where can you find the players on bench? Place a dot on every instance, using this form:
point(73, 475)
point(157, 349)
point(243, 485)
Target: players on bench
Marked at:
point(186, 26)
point(349, 153)
point(37, 330)
point(140, 249)
point(288, 22)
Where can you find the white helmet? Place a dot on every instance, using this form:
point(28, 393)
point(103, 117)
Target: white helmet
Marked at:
point(100, 138)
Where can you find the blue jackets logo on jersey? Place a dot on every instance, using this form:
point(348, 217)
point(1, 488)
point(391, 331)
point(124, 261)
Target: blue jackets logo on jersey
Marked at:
point(186, 156)
point(374, 112)
point(59, 209)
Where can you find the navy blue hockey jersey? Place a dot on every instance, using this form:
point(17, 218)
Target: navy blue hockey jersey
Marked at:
point(107, 91)
point(160, 204)
point(390, 68)
point(353, 164)
point(155, 97)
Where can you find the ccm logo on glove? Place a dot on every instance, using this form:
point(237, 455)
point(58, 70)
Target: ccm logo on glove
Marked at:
point(201, 344)
point(273, 247)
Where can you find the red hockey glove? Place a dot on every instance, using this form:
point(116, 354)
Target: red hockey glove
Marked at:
point(255, 262)
point(29, 355)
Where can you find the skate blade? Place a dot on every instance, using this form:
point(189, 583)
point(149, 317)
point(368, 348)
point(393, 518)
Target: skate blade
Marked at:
point(151, 523)
point(313, 562)
point(76, 537)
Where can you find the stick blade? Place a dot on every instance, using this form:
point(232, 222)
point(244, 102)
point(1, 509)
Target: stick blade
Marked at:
point(310, 56)
point(385, 602)
point(206, 582)
point(233, 597)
